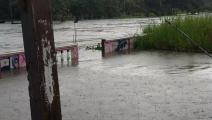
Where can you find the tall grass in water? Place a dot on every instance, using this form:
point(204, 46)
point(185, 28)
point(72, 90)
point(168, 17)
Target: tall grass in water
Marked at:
point(166, 37)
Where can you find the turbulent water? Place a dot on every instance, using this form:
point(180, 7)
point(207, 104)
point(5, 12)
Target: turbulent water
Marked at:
point(88, 32)
point(149, 85)
point(140, 86)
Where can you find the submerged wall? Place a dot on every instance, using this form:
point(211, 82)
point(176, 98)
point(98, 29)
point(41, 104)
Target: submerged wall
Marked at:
point(16, 60)
point(110, 47)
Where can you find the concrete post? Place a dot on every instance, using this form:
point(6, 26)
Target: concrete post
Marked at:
point(74, 55)
point(41, 60)
point(103, 47)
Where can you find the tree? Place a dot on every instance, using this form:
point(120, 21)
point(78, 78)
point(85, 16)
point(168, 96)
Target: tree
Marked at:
point(96, 9)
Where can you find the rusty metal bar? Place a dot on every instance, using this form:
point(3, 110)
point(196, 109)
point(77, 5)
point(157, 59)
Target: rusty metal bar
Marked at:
point(41, 60)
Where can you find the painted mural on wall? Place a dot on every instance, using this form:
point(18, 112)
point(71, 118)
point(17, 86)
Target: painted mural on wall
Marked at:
point(112, 46)
point(12, 62)
point(108, 47)
point(17, 60)
point(22, 60)
point(122, 45)
point(4, 64)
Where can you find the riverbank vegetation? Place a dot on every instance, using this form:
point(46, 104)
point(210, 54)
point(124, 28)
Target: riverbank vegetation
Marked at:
point(166, 37)
point(103, 9)
point(100, 9)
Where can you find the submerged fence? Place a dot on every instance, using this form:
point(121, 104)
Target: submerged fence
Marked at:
point(16, 60)
point(110, 47)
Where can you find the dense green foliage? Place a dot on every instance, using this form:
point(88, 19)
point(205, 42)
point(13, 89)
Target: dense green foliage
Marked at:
point(92, 9)
point(95, 9)
point(166, 37)
point(4, 12)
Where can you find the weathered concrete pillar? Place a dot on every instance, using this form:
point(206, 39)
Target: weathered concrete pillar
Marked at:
point(74, 55)
point(41, 60)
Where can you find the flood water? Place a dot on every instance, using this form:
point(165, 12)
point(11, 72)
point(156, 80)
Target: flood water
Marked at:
point(88, 32)
point(145, 85)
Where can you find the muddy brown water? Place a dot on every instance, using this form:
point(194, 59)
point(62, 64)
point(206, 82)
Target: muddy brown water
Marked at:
point(149, 85)
point(146, 85)
point(88, 31)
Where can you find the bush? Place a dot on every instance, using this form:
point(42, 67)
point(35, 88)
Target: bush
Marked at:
point(166, 37)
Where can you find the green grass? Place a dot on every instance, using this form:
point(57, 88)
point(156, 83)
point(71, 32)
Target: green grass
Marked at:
point(166, 37)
